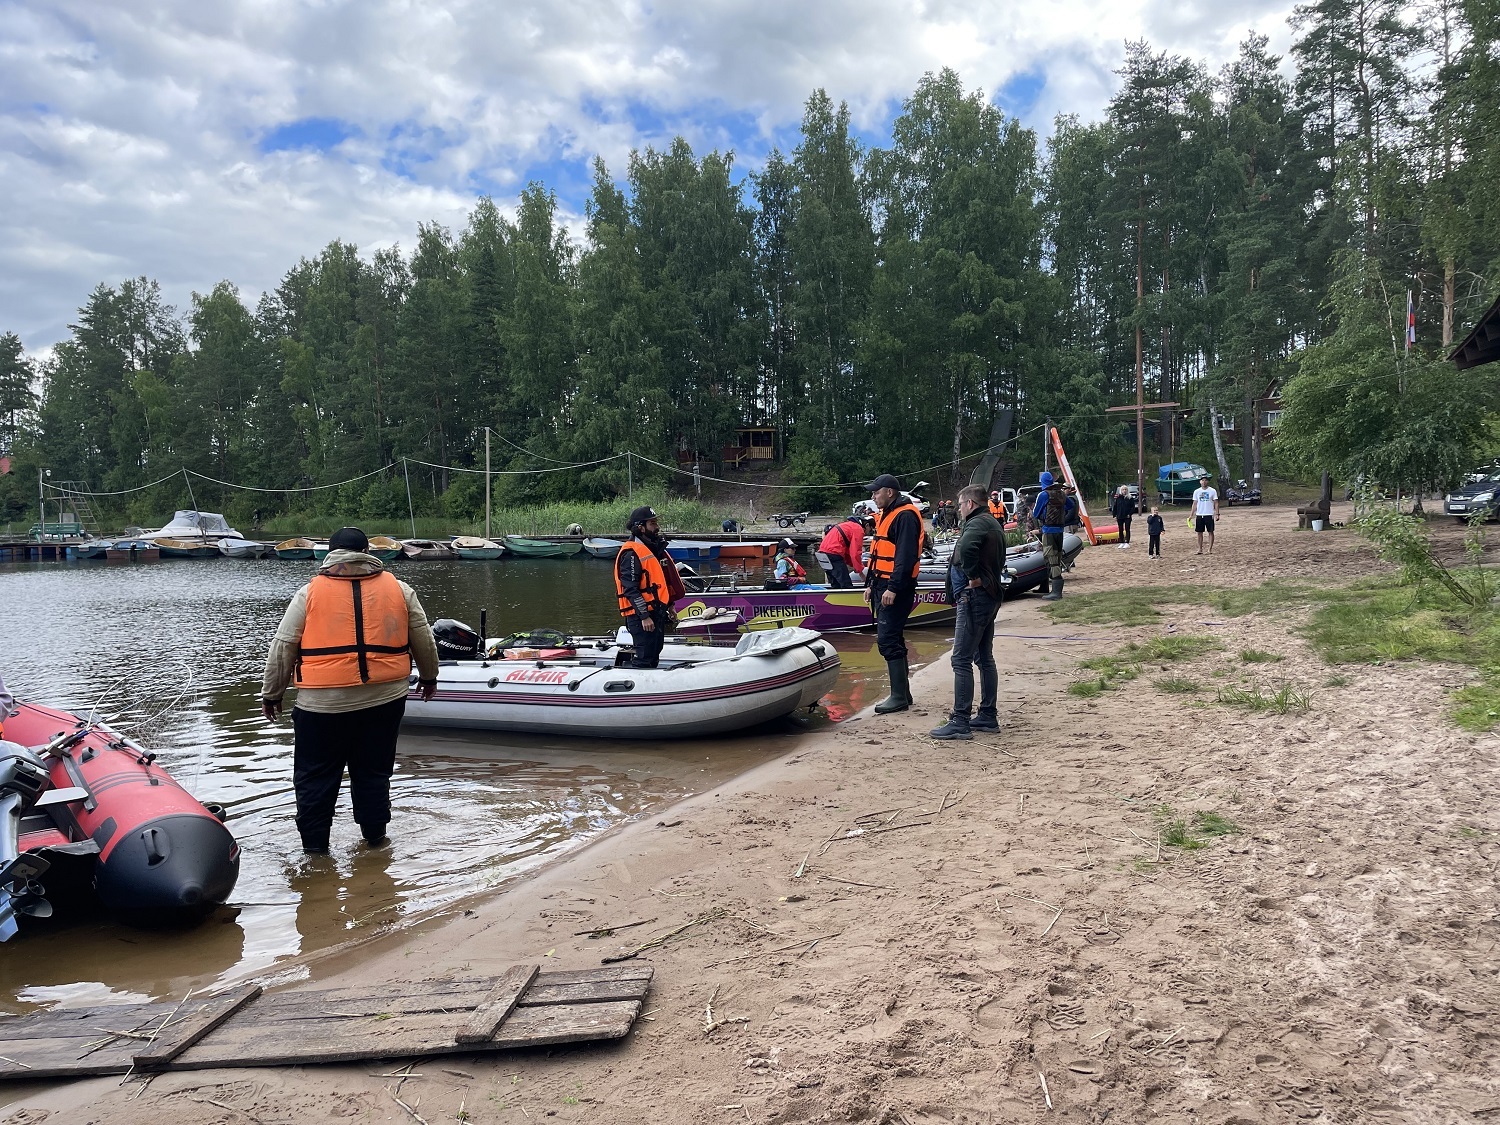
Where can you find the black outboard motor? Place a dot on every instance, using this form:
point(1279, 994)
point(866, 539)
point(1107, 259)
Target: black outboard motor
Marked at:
point(23, 776)
point(456, 641)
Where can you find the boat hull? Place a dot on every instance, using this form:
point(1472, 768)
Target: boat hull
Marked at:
point(823, 609)
point(715, 694)
point(479, 554)
point(132, 550)
point(695, 552)
point(602, 548)
point(540, 548)
point(181, 549)
point(155, 854)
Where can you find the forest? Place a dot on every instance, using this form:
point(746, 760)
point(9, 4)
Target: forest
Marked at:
point(1234, 238)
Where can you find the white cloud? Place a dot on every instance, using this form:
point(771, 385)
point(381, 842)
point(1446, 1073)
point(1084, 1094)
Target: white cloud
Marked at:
point(131, 133)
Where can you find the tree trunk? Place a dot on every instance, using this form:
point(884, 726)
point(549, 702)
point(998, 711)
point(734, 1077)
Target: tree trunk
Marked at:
point(1213, 424)
point(1448, 287)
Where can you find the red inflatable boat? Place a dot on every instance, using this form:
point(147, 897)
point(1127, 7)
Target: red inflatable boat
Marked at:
point(105, 826)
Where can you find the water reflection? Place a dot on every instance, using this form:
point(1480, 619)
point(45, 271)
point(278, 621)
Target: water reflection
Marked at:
point(174, 651)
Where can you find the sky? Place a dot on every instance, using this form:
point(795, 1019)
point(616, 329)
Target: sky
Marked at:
point(192, 142)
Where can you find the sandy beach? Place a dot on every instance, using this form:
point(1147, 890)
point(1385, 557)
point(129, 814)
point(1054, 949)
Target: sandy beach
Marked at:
point(896, 930)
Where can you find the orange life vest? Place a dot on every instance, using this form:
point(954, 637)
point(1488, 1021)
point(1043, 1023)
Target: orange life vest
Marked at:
point(883, 547)
point(653, 579)
point(356, 632)
point(997, 509)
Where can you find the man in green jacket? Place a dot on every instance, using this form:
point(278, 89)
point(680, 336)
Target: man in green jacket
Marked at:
point(974, 588)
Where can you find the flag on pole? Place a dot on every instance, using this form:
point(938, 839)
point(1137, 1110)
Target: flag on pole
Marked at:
point(1411, 322)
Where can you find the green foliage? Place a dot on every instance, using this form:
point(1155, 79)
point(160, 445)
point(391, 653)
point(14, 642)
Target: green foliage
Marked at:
point(1127, 664)
point(1176, 685)
point(1401, 538)
point(1282, 701)
point(817, 483)
point(1260, 656)
point(1142, 605)
point(1191, 833)
point(1478, 705)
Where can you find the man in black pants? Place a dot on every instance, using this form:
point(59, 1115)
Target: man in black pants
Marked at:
point(891, 582)
point(974, 589)
point(348, 639)
point(647, 583)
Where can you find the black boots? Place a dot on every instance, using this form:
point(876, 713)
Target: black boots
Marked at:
point(900, 697)
point(957, 726)
point(1056, 591)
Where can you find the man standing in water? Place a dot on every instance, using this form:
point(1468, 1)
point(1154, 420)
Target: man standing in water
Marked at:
point(647, 583)
point(348, 639)
point(891, 582)
point(974, 588)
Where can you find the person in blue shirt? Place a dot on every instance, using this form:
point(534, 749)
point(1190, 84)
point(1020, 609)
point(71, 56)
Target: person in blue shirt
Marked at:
point(1056, 510)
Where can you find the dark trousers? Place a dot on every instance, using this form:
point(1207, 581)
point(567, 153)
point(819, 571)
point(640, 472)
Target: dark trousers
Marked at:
point(363, 741)
point(647, 645)
point(974, 647)
point(838, 573)
point(1125, 529)
point(1153, 545)
point(890, 621)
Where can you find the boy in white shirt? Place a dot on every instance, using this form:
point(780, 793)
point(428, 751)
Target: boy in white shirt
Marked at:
point(1206, 509)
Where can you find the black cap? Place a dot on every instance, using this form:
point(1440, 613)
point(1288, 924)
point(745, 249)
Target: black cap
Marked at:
point(789, 543)
point(348, 539)
point(884, 480)
point(639, 516)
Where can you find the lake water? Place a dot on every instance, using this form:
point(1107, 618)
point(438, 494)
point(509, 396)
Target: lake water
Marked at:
point(174, 651)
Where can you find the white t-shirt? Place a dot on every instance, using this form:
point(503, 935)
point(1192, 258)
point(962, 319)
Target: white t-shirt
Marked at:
point(1204, 500)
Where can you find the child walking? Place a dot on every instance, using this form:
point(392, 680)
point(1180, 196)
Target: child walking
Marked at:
point(1154, 527)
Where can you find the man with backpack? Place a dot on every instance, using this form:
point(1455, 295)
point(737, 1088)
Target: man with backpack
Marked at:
point(844, 547)
point(1055, 511)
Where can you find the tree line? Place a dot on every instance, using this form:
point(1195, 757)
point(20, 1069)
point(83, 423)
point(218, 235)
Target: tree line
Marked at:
point(1228, 238)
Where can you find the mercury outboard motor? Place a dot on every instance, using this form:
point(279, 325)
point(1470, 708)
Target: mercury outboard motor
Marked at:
point(455, 640)
point(23, 776)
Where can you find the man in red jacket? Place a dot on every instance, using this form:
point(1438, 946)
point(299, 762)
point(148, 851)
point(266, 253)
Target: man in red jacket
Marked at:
point(844, 545)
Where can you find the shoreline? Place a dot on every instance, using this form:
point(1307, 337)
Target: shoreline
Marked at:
point(1027, 917)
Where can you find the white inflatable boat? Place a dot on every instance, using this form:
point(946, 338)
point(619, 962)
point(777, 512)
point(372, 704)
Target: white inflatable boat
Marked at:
point(592, 692)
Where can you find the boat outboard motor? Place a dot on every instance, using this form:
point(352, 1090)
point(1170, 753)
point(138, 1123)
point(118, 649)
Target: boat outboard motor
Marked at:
point(456, 641)
point(23, 777)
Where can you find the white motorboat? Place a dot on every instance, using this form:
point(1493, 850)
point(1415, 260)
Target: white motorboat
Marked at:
point(592, 692)
point(244, 548)
point(192, 534)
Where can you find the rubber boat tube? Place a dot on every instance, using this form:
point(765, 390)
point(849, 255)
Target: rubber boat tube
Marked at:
point(149, 850)
point(697, 690)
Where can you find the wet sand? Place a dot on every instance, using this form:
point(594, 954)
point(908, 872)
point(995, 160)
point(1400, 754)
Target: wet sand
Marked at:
point(1014, 939)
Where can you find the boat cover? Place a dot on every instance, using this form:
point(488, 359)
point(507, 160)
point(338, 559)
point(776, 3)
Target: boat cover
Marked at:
point(768, 641)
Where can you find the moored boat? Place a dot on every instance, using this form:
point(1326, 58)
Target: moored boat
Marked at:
point(474, 547)
point(384, 548)
point(117, 830)
point(696, 690)
point(187, 548)
point(192, 535)
point(427, 550)
point(688, 551)
point(602, 548)
point(540, 548)
point(132, 550)
point(721, 607)
point(296, 549)
point(92, 549)
point(243, 548)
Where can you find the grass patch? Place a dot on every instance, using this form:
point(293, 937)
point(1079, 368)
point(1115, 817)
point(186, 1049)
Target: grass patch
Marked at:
point(1142, 605)
point(1478, 705)
point(1176, 685)
point(1126, 664)
point(1260, 656)
point(1191, 833)
point(1284, 700)
point(1338, 679)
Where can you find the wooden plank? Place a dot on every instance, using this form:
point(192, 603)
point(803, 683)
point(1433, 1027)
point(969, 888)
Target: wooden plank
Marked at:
point(236, 1045)
point(187, 1032)
point(544, 992)
point(640, 971)
point(491, 1011)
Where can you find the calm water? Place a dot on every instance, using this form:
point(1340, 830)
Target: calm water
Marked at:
point(174, 651)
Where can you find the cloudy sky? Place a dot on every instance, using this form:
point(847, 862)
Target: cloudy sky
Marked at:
point(192, 141)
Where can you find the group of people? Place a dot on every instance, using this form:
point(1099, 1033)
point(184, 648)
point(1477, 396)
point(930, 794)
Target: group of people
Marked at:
point(1205, 504)
point(350, 637)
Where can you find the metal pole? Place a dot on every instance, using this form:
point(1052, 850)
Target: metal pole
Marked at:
point(410, 512)
point(629, 480)
point(486, 482)
point(41, 497)
point(1047, 447)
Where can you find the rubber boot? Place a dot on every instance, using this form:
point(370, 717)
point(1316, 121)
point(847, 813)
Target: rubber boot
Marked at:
point(957, 726)
point(374, 834)
point(1056, 592)
point(987, 719)
point(900, 697)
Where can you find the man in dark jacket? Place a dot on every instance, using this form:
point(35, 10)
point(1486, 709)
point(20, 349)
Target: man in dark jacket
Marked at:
point(891, 582)
point(974, 588)
point(1122, 507)
point(647, 583)
point(1056, 510)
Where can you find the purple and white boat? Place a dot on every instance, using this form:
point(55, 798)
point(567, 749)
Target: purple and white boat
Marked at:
point(724, 608)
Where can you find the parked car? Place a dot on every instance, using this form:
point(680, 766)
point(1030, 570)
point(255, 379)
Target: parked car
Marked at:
point(865, 509)
point(1479, 493)
point(1178, 481)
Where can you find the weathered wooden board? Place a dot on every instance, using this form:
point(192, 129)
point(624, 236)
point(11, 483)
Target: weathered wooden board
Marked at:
point(496, 1004)
point(399, 1020)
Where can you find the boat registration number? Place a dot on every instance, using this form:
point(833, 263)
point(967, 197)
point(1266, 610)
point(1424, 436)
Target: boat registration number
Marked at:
point(536, 676)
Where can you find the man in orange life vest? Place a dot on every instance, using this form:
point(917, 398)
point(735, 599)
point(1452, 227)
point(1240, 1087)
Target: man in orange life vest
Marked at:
point(348, 639)
point(647, 583)
point(891, 582)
